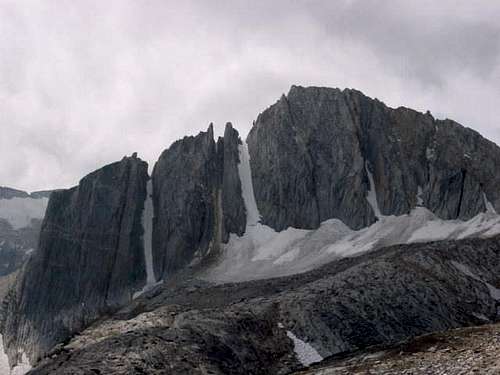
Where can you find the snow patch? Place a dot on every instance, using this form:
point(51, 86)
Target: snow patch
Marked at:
point(262, 252)
point(420, 200)
point(371, 197)
point(306, 354)
point(489, 206)
point(245, 173)
point(272, 246)
point(147, 238)
point(19, 211)
point(289, 256)
point(430, 153)
point(20, 369)
point(435, 229)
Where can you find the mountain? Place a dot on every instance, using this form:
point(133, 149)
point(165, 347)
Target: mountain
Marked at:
point(90, 258)
point(21, 216)
point(314, 151)
point(197, 199)
point(333, 192)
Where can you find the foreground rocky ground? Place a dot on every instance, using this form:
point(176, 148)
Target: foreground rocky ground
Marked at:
point(472, 350)
point(379, 298)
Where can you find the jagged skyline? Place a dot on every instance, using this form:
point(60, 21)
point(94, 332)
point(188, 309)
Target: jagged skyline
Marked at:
point(82, 84)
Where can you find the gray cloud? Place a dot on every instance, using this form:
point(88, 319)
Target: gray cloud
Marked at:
point(84, 83)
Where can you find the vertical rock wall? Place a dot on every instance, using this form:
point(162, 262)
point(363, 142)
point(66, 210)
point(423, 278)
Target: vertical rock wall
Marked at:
point(309, 151)
point(90, 260)
point(197, 199)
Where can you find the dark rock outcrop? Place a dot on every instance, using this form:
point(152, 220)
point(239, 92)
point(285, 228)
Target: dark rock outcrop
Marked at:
point(311, 153)
point(233, 207)
point(197, 200)
point(378, 298)
point(89, 262)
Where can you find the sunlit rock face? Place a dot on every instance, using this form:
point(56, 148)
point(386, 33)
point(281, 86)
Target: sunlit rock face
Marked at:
point(90, 260)
point(313, 151)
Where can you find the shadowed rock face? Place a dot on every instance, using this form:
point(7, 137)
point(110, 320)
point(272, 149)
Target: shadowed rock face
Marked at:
point(90, 260)
point(197, 200)
point(310, 153)
point(233, 207)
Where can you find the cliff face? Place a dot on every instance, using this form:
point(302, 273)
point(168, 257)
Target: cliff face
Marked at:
point(197, 199)
point(90, 260)
point(233, 207)
point(314, 151)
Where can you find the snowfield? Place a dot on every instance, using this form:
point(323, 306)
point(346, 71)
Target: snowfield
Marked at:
point(147, 239)
point(262, 252)
point(22, 368)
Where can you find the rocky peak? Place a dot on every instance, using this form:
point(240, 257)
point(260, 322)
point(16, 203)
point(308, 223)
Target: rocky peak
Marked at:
point(315, 152)
point(90, 260)
point(197, 199)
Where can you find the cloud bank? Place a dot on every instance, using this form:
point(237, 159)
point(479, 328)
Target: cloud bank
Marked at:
point(84, 83)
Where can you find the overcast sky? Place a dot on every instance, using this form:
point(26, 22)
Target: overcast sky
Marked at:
point(83, 83)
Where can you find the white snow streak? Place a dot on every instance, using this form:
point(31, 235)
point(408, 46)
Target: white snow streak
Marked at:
point(19, 211)
point(489, 206)
point(147, 224)
point(22, 368)
point(371, 197)
point(306, 354)
point(253, 215)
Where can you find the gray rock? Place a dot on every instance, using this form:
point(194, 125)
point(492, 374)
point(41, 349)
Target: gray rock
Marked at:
point(233, 207)
point(89, 262)
point(378, 298)
point(185, 198)
point(197, 200)
point(312, 156)
point(309, 151)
